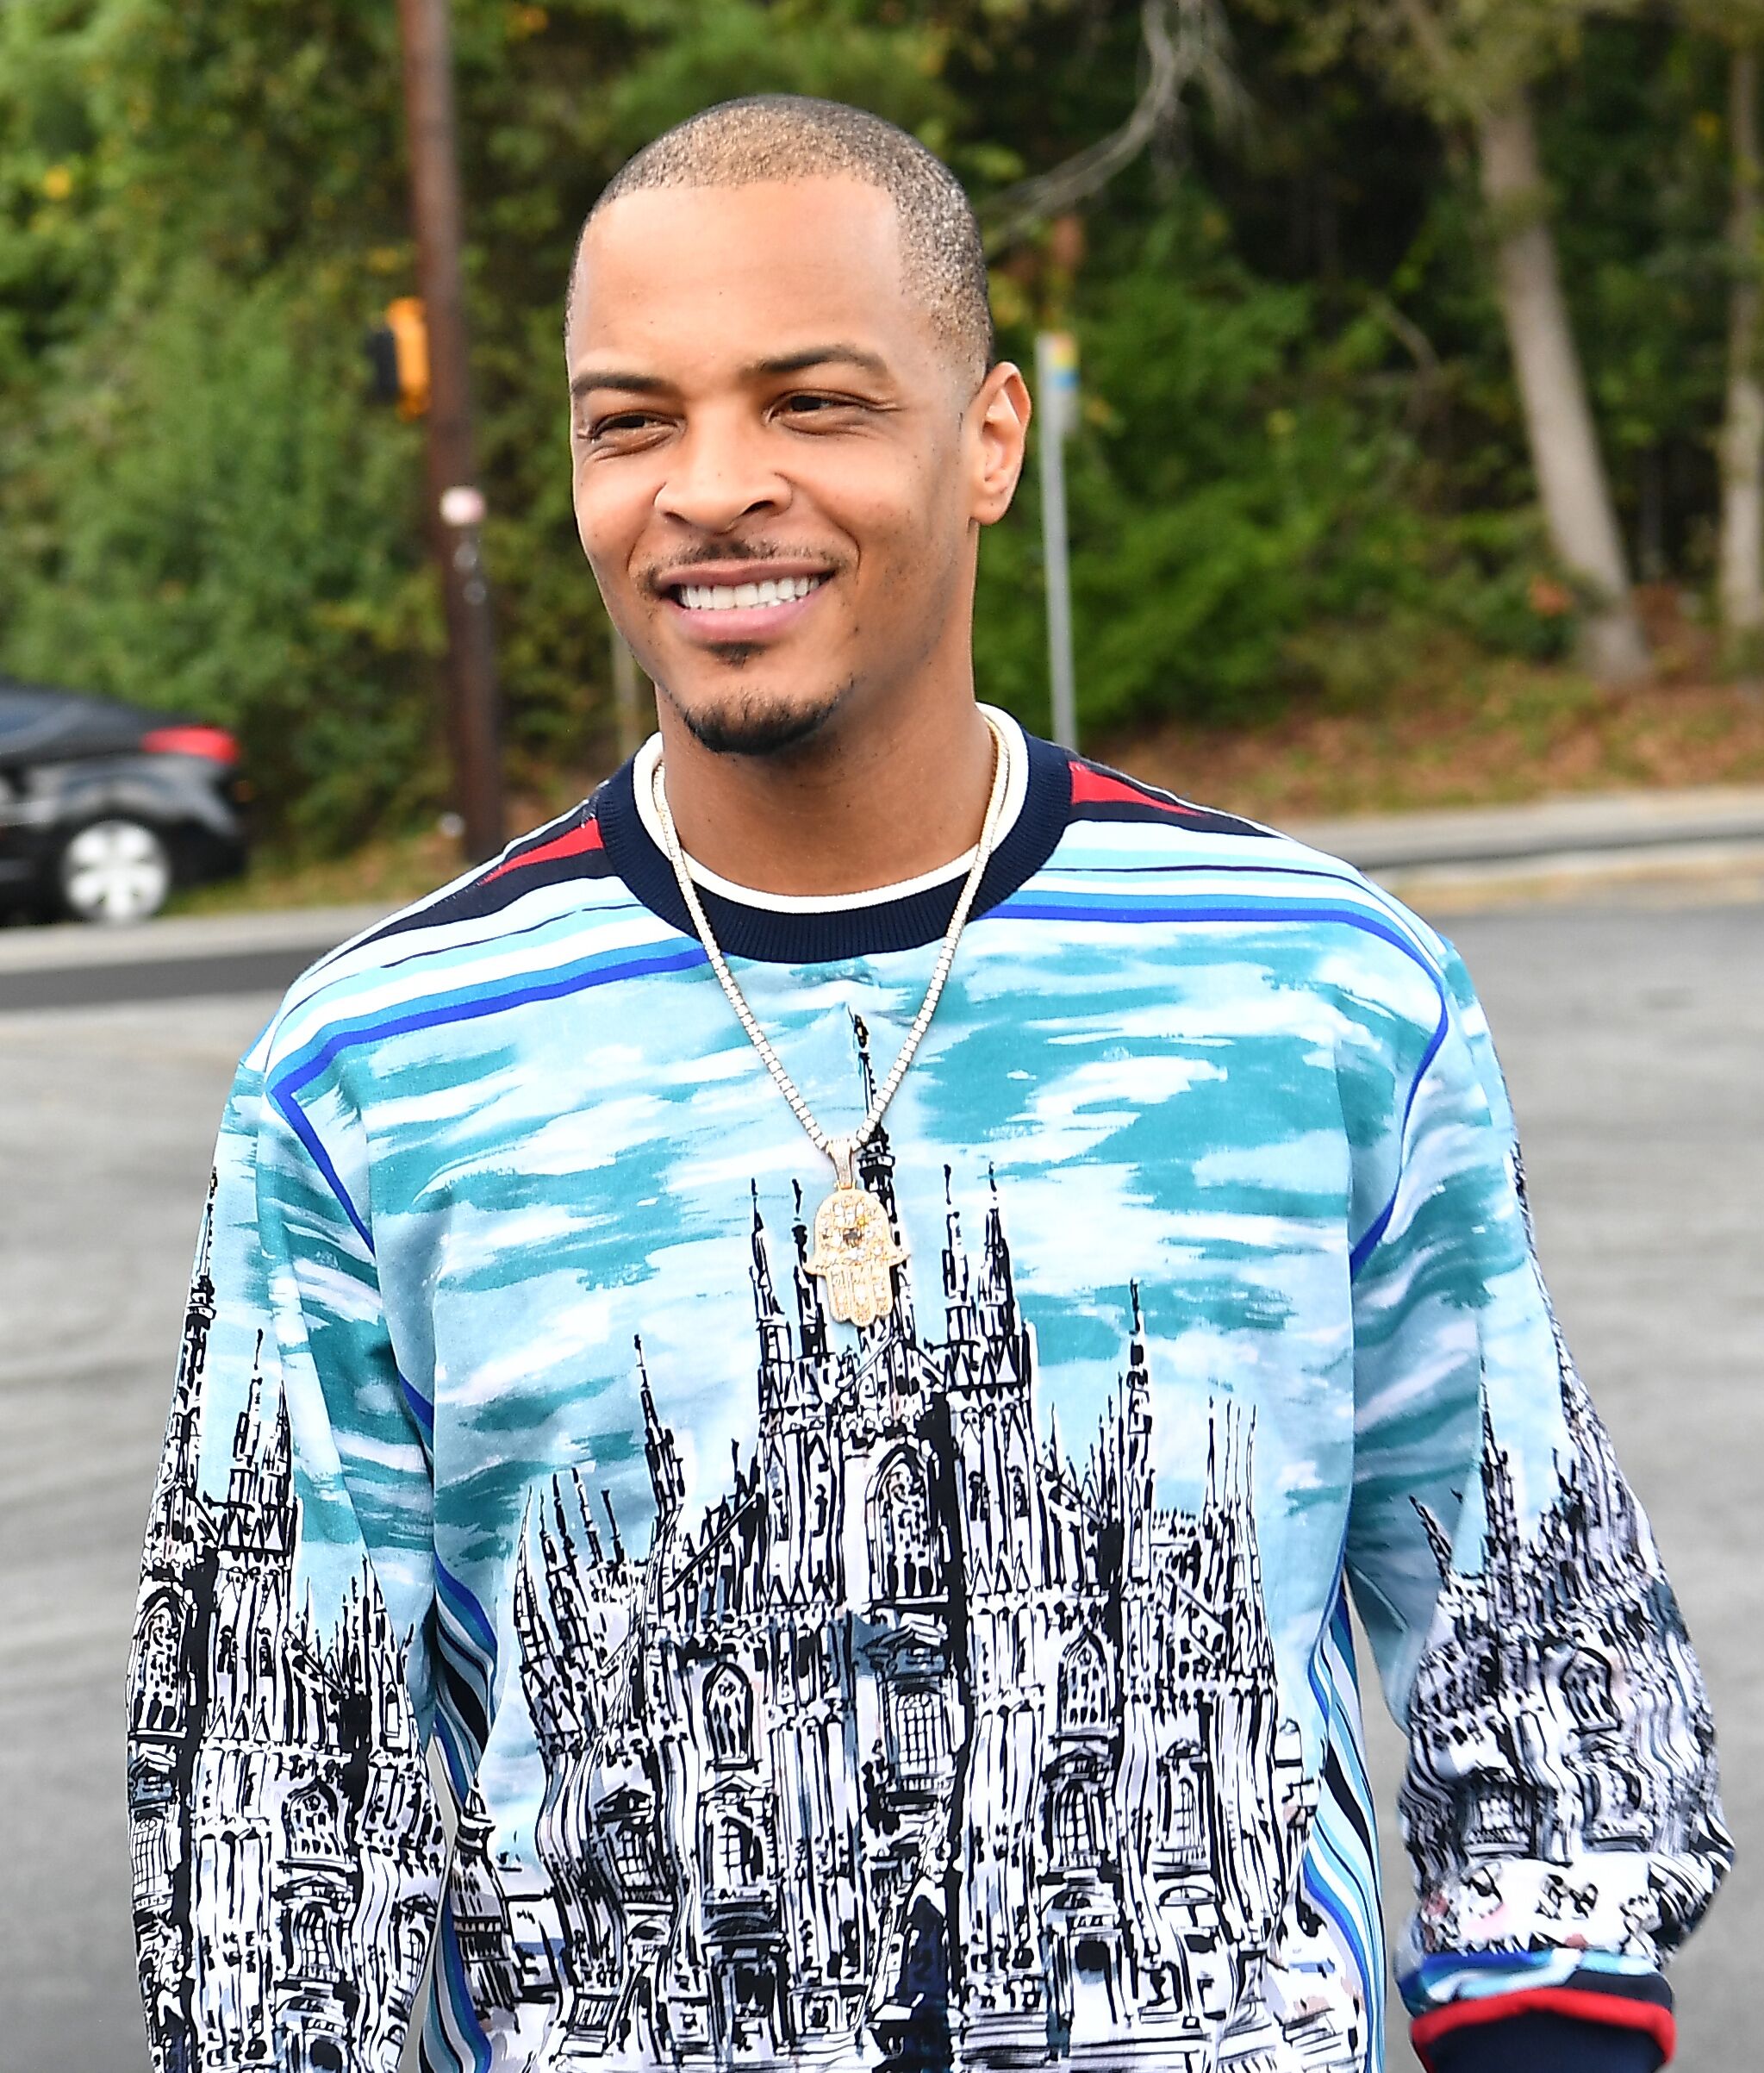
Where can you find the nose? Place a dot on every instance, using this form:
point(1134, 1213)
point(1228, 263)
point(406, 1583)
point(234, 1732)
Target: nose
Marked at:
point(721, 474)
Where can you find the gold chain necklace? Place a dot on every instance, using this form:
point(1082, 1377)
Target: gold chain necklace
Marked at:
point(855, 1248)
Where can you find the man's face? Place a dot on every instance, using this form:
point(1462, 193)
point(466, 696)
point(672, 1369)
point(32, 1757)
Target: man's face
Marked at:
point(780, 467)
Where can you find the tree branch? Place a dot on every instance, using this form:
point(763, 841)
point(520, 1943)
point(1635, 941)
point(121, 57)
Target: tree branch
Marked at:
point(1186, 40)
point(1419, 348)
point(1430, 39)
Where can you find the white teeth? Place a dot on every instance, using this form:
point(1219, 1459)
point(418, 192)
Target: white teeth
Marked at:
point(744, 596)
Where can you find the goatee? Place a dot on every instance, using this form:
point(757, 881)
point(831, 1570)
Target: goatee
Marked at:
point(758, 725)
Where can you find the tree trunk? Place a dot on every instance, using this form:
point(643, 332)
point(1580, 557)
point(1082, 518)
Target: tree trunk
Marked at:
point(1743, 431)
point(1571, 480)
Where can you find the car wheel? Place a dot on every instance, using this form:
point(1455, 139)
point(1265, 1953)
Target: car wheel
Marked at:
point(114, 871)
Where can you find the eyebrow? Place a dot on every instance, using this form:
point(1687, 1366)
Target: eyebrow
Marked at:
point(614, 377)
point(821, 356)
point(631, 384)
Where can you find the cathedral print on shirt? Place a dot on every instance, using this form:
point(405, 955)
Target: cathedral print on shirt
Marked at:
point(923, 1734)
point(924, 1741)
point(286, 1858)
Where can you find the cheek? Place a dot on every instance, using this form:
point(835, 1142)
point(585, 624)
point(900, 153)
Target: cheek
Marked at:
point(610, 517)
point(916, 548)
point(905, 520)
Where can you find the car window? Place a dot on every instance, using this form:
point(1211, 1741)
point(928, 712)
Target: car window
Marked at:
point(36, 722)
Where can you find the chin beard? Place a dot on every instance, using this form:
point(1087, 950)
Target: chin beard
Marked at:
point(758, 726)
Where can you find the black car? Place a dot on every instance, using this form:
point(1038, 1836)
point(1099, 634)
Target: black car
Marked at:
point(105, 807)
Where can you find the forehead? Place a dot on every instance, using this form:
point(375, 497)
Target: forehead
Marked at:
point(686, 277)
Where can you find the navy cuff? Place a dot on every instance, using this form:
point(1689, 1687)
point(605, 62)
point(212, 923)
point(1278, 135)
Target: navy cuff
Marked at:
point(1544, 2044)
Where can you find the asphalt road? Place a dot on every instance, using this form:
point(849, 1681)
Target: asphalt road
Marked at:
point(1632, 1036)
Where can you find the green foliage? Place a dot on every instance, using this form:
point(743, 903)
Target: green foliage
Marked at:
point(1639, 143)
point(1301, 463)
point(1245, 490)
point(1456, 57)
point(1218, 488)
point(216, 522)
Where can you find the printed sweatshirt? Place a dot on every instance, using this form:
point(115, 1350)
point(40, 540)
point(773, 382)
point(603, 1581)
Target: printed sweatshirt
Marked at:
point(539, 1577)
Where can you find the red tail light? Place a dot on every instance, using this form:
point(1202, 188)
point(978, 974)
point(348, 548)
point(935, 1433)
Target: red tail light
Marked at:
point(213, 742)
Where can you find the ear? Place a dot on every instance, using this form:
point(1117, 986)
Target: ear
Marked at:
point(999, 421)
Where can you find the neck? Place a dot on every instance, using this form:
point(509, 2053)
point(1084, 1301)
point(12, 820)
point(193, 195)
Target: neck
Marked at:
point(856, 807)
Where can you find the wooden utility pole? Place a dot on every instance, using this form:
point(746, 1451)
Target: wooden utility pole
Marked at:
point(456, 507)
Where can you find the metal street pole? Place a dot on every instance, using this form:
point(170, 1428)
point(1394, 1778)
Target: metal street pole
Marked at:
point(455, 506)
point(1057, 392)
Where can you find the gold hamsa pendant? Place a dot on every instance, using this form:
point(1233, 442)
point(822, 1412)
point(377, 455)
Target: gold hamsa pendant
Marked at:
point(855, 1253)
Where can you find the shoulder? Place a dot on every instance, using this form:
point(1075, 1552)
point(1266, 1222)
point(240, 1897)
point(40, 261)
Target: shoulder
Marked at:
point(1154, 854)
point(501, 927)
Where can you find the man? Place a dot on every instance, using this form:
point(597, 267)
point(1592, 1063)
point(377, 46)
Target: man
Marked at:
point(834, 1330)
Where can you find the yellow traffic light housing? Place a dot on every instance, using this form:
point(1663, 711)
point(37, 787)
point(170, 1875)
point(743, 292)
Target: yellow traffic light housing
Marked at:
point(398, 356)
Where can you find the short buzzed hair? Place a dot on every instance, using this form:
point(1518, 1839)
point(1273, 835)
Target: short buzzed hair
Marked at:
point(794, 137)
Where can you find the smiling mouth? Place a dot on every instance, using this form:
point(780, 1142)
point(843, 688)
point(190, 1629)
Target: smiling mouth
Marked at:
point(713, 597)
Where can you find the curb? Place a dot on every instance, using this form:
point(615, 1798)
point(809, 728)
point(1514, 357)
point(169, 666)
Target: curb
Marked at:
point(1709, 840)
point(63, 945)
point(1598, 823)
point(189, 958)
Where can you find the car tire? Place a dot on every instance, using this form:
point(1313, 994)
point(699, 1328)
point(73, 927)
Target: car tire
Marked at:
point(113, 871)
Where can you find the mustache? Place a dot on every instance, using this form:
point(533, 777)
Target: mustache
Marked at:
point(732, 554)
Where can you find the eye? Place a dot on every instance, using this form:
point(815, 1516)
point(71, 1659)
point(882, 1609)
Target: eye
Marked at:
point(808, 403)
point(618, 426)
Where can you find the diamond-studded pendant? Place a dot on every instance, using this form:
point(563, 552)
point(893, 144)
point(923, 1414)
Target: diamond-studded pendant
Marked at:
point(855, 1250)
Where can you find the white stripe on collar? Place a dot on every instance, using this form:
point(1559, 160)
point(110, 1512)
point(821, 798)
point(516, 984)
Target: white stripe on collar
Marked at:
point(643, 775)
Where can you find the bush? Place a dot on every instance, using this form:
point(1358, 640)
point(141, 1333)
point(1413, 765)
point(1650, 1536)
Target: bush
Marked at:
point(1246, 512)
point(216, 522)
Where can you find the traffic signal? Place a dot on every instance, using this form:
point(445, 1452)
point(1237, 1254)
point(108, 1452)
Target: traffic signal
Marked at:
point(398, 358)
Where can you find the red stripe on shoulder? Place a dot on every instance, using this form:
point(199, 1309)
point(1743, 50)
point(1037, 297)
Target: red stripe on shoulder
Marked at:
point(574, 842)
point(1095, 786)
point(1617, 2010)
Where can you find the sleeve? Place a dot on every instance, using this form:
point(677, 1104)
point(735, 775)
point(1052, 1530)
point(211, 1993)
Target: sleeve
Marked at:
point(1561, 1802)
point(286, 1842)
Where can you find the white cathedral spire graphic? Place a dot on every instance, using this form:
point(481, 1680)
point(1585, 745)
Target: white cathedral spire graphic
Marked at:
point(277, 1802)
point(1519, 1751)
point(918, 1743)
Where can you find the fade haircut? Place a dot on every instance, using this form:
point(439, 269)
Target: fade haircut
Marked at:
point(793, 137)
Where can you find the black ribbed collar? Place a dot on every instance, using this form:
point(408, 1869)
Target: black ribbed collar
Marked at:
point(825, 935)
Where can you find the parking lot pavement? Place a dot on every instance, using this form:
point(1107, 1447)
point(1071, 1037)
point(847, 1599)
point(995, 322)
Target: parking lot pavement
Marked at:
point(1632, 1035)
point(107, 1119)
